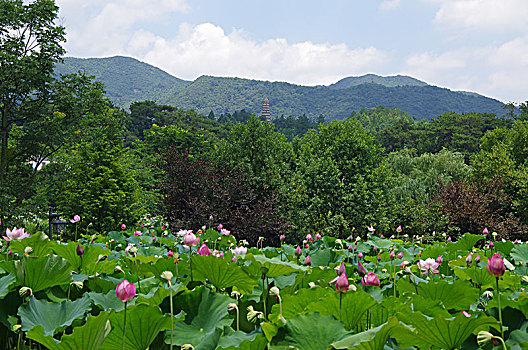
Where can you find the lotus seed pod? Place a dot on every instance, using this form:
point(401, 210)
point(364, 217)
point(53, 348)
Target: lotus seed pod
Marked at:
point(25, 292)
point(274, 291)
point(483, 338)
point(187, 347)
point(167, 275)
point(28, 250)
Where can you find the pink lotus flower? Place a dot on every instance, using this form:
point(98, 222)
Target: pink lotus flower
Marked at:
point(371, 280)
point(127, 249)
point(429, 265)
point(75, 219)
point(282, 237)
point(360, 255)
point(392, 255)
point(239, 251)
point(123, 227)
point(183, 232)
point(15, 234)
point(308, 260)
point(317, 236)
point(449, 239)
point(465, 313)
point(190, 239)
point(495, 266)
point(138, 233)
point(490, 245)
point(371, 229)
point(309, 238)
point(375, 249)
point(163, 227)
point(220, 226)
point(477, 259)
point(204, 250)
point(379, 256)
point(342, 283)
point(170, 254)
point(400, 255)
point(125, 291)
point(298, 251)
point(154, 239)
point(399, 229)
point(350, 247)
point(225, 232)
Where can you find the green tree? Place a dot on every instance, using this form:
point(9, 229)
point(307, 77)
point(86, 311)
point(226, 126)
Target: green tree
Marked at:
point(100, 182)
point(38, 112)
point(339, 183)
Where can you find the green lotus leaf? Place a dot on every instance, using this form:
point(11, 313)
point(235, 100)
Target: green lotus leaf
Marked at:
point(504, 248)
point(40, 273)
point(53, 317)
point(477, 275)
point(457, 295)
point(232, 340)
point(353, 306)
point(323, 257)
point(518, 339)
point(5, 284)
point(8, 309)
point(311, 332)
point(205, 312)
point(222, 274)
point(466, 243)
point(89, 258)
point(143, 324)
point(296, 304)
point(373, 339)
point(156, 295)
point(274, 267)
point(89, 336)
point(38, 241)
point(108, 300)
point(520, 253)
point(446, 333)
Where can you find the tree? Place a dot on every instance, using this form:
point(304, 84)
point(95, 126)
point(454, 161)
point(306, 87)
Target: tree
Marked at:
point(37, 112)
point(100, 182)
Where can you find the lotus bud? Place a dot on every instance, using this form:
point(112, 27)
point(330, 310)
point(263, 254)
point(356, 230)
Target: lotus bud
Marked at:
point(469, 259)
point(170, 254)
point(167, 275)
point(485, 231)
point(282, 237)
point(379, 256)
point(125, 291)
point(495, 266)
point(440, 260)
point(392, 255)
point(477, 259)
point(449, 239)
point(361, 270)
point(342, 283)
point(372, 280)
point(298, 251)
point(80, 250)
point(360, 255)
point(375, 249)
point(308, 260)
point(400, 255)
point(341, 269)
point(25, 292)
point(317, 236)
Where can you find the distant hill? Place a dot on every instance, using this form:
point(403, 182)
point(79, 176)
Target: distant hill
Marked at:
point(392, 81)
point(128, 80)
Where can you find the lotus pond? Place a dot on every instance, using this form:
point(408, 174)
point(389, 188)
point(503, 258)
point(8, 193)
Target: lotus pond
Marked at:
point(205, 290)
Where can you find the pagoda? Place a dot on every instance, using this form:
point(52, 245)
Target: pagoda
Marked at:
point(266, 110)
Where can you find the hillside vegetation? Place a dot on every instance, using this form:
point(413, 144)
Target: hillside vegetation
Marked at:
point(128, 80)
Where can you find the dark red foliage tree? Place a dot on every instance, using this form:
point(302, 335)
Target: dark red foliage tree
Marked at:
point(194, 189)
point(471, 206)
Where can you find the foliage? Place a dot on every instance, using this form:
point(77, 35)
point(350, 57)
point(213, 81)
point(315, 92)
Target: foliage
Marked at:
point(339, 180)
point(195, 189)
point(99, 181)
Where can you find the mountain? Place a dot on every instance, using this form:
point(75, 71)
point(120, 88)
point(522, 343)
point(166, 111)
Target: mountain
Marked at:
point(128, 80)
point(392, 81)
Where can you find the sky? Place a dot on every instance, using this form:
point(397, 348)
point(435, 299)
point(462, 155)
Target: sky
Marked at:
point(470, 45)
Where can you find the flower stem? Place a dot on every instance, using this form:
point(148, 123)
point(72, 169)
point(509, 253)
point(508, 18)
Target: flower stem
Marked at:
point(124, 327)
point(499, 305)
point(172, 315)
point(340, 303)
point(137, 273)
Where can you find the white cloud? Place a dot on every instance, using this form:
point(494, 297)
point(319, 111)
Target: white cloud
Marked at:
point(488, 15)
point(495, 70)
point(100, 27)
point(388, 5)
point(207, 49)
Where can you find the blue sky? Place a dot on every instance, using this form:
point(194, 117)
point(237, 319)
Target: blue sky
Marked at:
point(473, 45)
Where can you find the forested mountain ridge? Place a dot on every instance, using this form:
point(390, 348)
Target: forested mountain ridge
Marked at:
point(128, 80)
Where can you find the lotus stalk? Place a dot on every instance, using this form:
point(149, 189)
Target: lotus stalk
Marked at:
point(167, 275)
point(496, 268)
point(125, 291)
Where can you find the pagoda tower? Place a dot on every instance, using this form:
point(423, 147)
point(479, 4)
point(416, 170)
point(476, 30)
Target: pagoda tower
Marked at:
point(266, 110)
